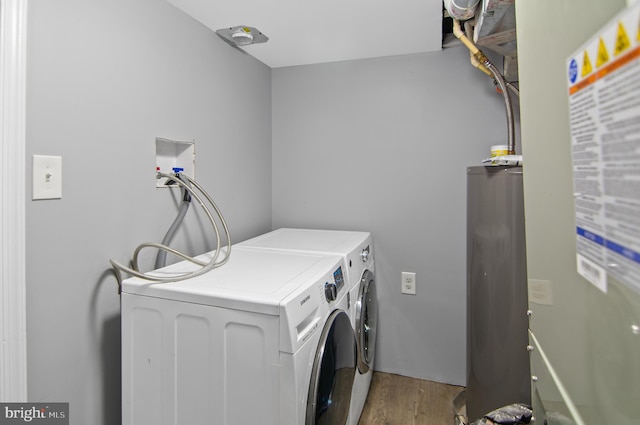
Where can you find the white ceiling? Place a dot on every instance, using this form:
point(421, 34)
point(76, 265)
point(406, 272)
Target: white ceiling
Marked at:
point(314, 31)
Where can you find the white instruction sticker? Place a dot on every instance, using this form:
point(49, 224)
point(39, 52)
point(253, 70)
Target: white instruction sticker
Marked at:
point(604, 107)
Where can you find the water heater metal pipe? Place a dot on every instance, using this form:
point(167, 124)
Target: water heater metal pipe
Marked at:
point(485, 63)
point(511, 132)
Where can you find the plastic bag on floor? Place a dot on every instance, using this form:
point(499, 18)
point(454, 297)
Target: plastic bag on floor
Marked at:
point(512, 414)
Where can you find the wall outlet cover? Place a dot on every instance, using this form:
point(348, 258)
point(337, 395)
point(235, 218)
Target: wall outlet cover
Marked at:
point(408, 283)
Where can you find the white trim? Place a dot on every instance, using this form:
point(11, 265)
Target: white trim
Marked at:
point(13, 51)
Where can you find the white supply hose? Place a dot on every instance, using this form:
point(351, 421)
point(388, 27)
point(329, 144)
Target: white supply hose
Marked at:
point(119, 268)
point(161, 258)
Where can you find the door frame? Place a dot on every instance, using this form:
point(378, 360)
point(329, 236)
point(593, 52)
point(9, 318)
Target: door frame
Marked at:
point(13, 74)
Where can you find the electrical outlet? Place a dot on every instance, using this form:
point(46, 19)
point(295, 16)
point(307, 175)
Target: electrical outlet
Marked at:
point(408, 283)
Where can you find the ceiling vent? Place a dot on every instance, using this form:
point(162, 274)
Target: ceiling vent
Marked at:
point(242, 36)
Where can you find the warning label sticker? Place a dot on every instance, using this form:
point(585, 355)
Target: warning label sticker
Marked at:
point(604, 107)
point(603, 54)
point(622, 41)
point(586, 64)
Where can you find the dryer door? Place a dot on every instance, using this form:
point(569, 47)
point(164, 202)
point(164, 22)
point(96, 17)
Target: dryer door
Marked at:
point(333, 372)
point(366, 321)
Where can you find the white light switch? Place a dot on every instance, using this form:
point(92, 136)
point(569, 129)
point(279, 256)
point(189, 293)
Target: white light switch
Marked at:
point(47, 177)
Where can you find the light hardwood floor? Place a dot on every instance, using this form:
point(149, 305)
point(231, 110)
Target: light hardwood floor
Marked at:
point(399, 400)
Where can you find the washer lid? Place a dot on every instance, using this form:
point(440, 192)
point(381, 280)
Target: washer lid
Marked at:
point(333, 241)
point(355, 247)
point(252, 280)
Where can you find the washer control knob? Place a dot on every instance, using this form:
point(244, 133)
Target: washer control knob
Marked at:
point(330, 291)
point(365, 254)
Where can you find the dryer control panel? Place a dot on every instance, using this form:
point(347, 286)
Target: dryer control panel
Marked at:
point(331, 289)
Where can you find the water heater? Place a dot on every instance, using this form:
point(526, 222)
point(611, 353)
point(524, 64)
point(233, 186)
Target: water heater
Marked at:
point(498, 371)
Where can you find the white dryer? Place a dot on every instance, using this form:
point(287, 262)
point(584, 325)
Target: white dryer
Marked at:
point(357, 250)
point(264, 339)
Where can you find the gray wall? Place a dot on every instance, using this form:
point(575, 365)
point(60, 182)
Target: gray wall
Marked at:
point(104, 79)
point(382, 145)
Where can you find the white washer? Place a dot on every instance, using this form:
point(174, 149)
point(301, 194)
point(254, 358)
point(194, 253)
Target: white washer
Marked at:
point(263, 339)
point(357, 250)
